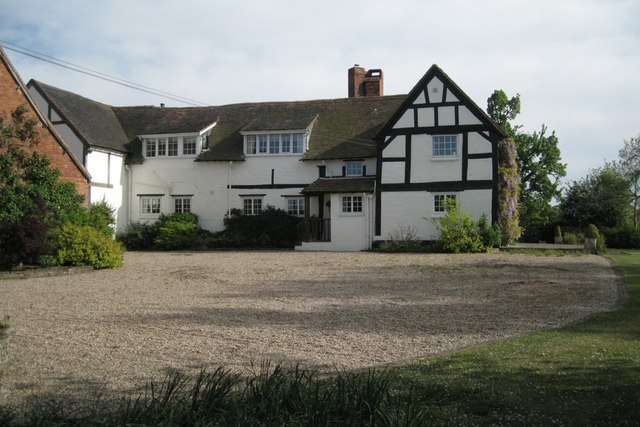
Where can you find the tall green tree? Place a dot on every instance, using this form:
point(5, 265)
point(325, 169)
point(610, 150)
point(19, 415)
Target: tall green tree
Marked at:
point(601, 198)
point(503, 110)
point(629, 167)
point(539, 163)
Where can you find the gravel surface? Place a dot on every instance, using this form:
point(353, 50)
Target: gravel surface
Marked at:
point(114, 330)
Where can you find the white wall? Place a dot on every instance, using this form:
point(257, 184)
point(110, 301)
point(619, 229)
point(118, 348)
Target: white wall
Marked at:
point(208, 183)
point(426, 169)
point(108, 182)
point(349, 232)
point(415, 209)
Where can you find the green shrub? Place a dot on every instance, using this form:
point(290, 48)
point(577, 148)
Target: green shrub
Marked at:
point(592, 232)
point(273, 228)
point(570, 238)
point(491, 234)
point(101, 217)
point(138, 236)
point(458, 232)
point(622, 237)
point(83, 245)
point(177, 231)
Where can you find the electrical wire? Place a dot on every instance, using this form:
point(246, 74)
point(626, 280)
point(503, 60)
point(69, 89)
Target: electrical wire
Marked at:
point(97, 74)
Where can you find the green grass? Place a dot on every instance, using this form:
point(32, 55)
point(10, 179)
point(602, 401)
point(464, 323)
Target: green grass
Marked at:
point(586, 374)
point(582, 375)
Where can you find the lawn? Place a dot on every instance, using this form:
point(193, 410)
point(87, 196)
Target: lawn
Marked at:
point(585, 374)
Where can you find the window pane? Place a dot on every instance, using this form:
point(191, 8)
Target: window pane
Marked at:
point(189, 146)
point(357, 203)
point(173, 146)
point(150, 205)
point(286, 143)
point(150, 148)
point(440, 201)
point(354, 169)
point(295, 206)
point(346, 204)
point(274, 144)
point(445, 145)
point(162, 147)
point(262, 139)
point(247, 205)
point(298, 140)
point(251, 206)
point(182, 205)
point(251, 144)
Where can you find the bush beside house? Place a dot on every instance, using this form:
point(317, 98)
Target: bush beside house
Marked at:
point(39, 214)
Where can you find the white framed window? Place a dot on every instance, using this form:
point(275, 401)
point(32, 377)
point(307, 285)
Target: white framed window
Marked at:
point(262, 140)
point(182, 204)
point(351, 204)
point(353, 168)
point(251, 144)
point(251, 205)
point(286, 142)
point(274, 143)
point(150, 147)
point(445, 146)
point(162, 146)
point(298, 143)
point(295, 206)
point(440, 202)
point(150, 205)
point(170, 146)
point(189, 146)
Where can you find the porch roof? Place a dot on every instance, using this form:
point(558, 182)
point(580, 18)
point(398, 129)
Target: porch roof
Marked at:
point(340, 185)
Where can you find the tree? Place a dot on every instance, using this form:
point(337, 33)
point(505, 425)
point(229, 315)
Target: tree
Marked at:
point(601, 198)
point(502, 110)
point(539, 166)
point(629, 167)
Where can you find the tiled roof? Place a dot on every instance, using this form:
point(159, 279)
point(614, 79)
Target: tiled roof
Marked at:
point(342, 128)
point(151, 120)
point(94, 122)
point(340, 185)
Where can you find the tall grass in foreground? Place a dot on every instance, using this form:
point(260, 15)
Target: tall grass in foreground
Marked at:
point(272, 396)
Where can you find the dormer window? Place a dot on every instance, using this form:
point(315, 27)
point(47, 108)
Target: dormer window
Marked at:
point(353, 169)
point(274, 144)
point(171, 146)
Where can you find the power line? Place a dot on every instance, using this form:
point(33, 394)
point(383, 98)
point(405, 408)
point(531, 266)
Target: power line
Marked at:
point(97, 74)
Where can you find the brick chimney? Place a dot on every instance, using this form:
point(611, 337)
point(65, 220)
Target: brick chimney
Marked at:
point(365, 83)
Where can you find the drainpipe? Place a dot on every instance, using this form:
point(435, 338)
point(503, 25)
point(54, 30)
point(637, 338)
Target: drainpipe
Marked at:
point(129, 191)
point(229, 190)
point(368, 220)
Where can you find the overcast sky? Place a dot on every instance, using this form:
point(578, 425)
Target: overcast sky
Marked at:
point(575, 63)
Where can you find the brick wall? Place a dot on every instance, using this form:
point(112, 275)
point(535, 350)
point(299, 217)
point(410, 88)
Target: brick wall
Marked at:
point(12, 96)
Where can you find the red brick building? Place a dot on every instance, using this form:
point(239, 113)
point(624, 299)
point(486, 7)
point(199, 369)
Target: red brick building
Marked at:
point(13, 94)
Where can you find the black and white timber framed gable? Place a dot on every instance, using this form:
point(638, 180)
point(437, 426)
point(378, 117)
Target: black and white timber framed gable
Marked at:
point(437, 144)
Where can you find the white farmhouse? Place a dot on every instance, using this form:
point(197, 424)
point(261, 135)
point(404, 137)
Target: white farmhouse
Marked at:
point(357, 169)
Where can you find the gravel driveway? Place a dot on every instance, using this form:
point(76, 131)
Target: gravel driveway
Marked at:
point(116, 329)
